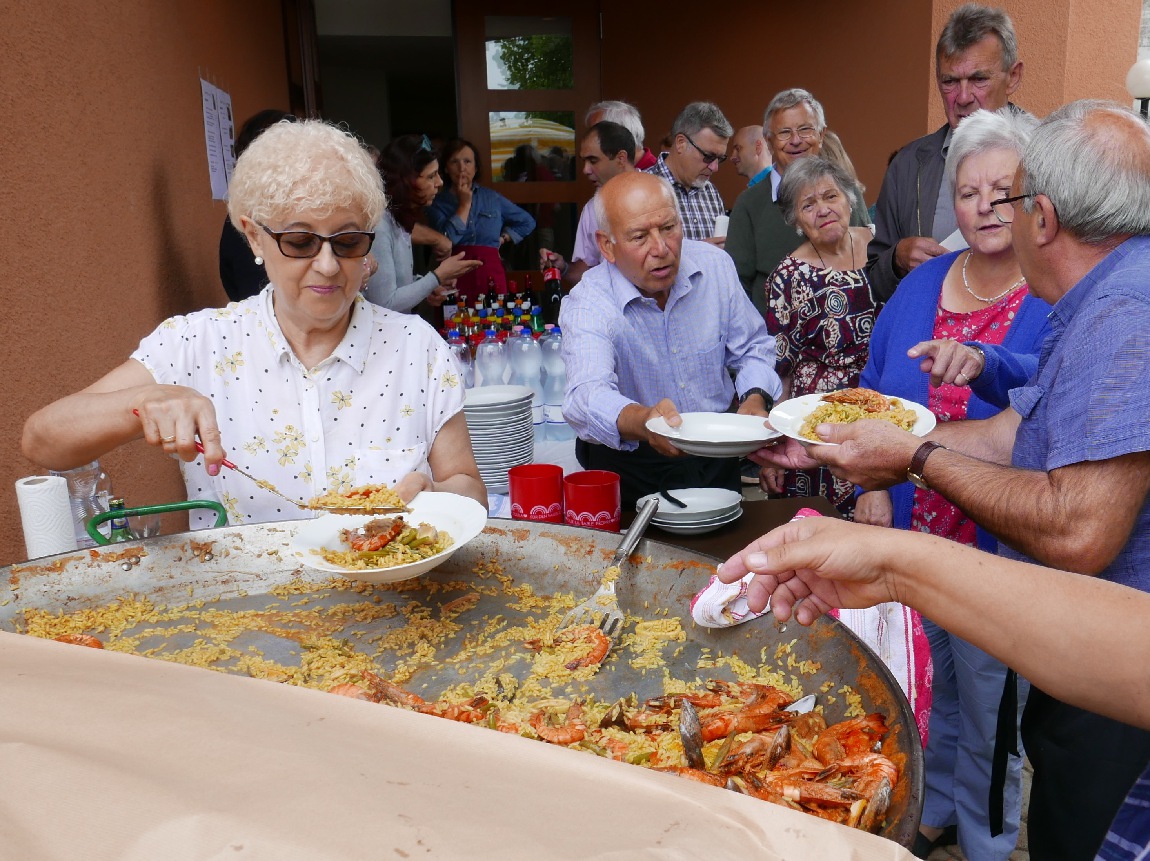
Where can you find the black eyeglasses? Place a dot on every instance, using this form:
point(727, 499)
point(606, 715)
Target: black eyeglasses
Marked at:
point(300, 244)
point(708, 157)
point(1004, 207)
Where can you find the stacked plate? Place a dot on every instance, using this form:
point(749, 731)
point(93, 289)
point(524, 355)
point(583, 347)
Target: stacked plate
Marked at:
point(707, 508)
point(502, 435)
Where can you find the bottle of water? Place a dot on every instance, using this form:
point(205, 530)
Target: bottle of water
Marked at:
point(490, 360)
point(526, 361)
point(463, 359)
point(89, 491)
point(553, 387)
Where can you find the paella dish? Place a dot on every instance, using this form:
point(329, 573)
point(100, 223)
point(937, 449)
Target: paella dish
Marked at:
point(368, 496)
point(386, 542)
point(851, 405)
point(433, 647)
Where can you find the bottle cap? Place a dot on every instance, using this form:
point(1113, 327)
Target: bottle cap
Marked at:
point(536, 309)
point(454, 333)
point(552, 273)
point(490, 333)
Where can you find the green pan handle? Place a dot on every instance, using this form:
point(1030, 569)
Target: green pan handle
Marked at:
point(164, 508)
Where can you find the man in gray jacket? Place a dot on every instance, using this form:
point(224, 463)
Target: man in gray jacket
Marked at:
point(977, 66)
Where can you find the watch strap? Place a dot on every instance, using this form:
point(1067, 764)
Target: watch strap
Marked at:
point(918, 463)
point(767, 399)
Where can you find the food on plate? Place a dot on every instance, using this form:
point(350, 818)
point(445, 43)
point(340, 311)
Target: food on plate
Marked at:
point(369, 496)
point(386, 542)
point(851, 405)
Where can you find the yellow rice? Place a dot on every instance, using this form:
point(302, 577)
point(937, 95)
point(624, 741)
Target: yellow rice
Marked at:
point(844, 414)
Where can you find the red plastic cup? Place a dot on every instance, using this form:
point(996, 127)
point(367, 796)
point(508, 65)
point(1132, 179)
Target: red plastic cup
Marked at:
point(536, 492)
point(592, 499)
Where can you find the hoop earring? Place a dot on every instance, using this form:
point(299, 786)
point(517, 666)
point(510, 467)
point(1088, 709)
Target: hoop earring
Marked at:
point(259, 260)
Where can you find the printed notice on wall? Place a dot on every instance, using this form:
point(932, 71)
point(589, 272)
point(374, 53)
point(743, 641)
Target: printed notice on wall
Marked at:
point(217, 109)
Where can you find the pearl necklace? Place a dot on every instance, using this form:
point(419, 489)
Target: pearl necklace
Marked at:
point(852, 239)
point(993, 299)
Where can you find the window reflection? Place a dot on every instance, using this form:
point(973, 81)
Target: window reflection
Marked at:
point(532, 146)
point(529, 53)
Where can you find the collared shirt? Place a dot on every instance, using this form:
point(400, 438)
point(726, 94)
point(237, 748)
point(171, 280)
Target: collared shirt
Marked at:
point(760, 176)
point(490, 216)
point(619, 348)
point(698, 207)
point(776, 181)
point(367, 414)
point(1089, 398)
point(586, 245)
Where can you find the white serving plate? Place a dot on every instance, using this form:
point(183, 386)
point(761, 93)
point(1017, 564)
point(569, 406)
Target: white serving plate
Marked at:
point(495, 397)
point(460, 516)
point(702, 502)
point(788, 417)
point(699, 528)
point(715, 434)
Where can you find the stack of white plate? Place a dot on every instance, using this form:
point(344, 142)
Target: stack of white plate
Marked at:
point(707, 508)
point(502, 435)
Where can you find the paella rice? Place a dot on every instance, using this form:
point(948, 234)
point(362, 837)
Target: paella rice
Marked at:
point(844, 414)
point(365, 496)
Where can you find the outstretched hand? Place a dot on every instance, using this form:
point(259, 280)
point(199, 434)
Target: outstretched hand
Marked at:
point(821, 562)
point(948, 361)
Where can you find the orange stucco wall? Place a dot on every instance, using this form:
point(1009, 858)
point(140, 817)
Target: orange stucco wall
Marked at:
point(107, 207)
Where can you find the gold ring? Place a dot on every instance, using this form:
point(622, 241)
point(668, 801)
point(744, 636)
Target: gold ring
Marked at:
point(167, 439)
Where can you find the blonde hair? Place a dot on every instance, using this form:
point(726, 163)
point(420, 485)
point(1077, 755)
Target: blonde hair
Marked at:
point(309, 165)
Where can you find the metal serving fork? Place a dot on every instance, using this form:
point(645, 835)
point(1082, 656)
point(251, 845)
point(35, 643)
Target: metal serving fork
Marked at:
point(602, 608)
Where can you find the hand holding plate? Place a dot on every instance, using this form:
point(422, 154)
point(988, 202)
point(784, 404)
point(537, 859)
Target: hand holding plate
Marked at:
point(872, 453)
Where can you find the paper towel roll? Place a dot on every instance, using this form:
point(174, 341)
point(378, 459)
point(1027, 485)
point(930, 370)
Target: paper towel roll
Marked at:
point(46, 514)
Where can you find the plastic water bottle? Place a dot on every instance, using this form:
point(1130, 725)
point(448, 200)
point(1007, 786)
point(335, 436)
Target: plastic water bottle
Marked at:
point(490, 360)
point(463, 359)
point(554, 387)
point(526, 361)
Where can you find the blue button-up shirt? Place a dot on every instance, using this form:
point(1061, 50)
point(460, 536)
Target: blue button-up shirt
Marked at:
point(620, 348)
point(491, 215)
point(760, 176)
point(1090, 398)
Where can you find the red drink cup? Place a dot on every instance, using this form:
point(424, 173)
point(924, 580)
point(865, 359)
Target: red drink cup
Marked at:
point(592, 499)
point(536, 492)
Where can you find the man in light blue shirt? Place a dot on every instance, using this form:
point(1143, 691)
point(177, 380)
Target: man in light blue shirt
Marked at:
point(652, 331)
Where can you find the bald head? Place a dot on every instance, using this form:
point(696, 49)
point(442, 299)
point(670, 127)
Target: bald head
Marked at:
point(640, 230)
point(749, 152)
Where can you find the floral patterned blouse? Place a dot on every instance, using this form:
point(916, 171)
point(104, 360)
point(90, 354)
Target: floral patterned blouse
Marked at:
point(931, 511)
point(368, 413)
point(821, 320)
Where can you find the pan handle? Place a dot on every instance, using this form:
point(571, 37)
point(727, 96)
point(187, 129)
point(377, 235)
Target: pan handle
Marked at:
point(163, 508)
point(635, 531)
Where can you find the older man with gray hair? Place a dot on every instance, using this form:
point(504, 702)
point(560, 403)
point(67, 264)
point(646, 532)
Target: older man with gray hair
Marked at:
point(699, 138)
point(759, 237)
point(976, 66)
point(1062, 476)
point(628, 117)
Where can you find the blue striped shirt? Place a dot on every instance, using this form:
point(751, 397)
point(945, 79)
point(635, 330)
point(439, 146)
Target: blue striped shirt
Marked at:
point(1089, 399)
point(698, 207)
point(619, 348)
point(1129, 836)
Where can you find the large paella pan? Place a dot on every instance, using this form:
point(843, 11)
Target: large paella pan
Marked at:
point(248, 572)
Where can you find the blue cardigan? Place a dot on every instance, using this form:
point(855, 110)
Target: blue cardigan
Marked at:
point(907, 319)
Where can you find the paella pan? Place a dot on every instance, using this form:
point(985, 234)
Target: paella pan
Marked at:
point(248, 570)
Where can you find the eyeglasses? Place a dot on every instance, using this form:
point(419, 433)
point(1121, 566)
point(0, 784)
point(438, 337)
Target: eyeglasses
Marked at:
point(300, 244)
point(708, 157)
point(805, 133)
point(1004, 207)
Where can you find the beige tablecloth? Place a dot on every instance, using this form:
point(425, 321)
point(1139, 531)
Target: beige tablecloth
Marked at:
point(104, 755)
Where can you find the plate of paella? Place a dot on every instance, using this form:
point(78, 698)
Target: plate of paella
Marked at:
point(798, 417)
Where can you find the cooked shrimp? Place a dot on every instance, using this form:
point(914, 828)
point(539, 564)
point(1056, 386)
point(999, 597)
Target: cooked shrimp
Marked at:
point(572, 730)
point(80, 640)
point(347, 689)
point(599, 644)
point(868, 399)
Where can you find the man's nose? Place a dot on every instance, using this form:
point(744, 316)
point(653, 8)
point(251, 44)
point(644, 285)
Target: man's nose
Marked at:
point(965, 92)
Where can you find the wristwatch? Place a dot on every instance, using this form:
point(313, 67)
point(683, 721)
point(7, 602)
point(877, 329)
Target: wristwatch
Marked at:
point(918, 463)
point(767, 399)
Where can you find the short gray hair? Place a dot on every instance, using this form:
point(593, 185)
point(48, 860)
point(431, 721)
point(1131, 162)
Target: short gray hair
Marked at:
point(600, 210)
point(986, 130)
point(305, 165)
point(1100, 187)
point(803, 173)
point(969, 24)
point(622, 113)
point(792, 98)
point(698, 116)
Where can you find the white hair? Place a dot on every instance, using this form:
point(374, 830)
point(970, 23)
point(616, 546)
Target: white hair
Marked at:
point(1100, 187)
point(985, 130)
point(792, 98)
point(604, 224)
point(622, 113)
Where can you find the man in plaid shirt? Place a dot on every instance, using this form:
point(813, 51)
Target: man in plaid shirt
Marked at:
point(698, 146)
